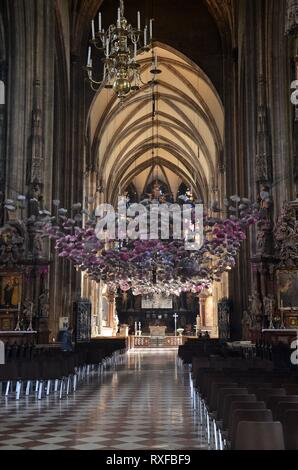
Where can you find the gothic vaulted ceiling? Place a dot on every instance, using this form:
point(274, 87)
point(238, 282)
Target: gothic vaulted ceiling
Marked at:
point(187, 132)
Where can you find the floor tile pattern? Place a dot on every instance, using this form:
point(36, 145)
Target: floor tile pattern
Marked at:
point(143, 404)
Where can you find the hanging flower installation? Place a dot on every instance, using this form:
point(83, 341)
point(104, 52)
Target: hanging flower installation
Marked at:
point(150, 266)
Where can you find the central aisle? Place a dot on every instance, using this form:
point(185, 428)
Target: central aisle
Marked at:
point(144, 404)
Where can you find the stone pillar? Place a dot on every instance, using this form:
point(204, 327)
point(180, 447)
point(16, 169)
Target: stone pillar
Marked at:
point(203, 311)
point(111, 313)
point(2, 147)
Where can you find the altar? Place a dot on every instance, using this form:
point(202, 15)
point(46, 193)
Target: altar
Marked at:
point(275, 336)
point(157, 330)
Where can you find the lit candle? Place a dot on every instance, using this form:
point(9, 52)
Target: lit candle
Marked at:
point(139, 21)
point(99, 22)
point(89, 57)
point(151, 29)
point(93, 29)
point(145, 36)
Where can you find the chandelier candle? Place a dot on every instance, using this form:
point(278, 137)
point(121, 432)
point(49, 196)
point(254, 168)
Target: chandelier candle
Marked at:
point(89, 57)
point(93, 30)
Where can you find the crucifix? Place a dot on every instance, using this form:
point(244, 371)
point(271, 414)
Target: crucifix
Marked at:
point(175, 316)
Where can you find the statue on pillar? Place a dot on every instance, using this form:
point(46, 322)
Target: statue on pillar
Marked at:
point(255, 310)
point(286, 236)
point(265, 225)
point(44, 303)
point(246, 325)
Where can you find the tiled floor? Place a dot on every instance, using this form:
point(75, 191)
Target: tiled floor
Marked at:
point(144, 404)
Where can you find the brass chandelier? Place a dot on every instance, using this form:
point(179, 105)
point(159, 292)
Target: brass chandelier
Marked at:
point(120, 44)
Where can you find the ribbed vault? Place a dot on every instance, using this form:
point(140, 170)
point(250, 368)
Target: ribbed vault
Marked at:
point(187, 134)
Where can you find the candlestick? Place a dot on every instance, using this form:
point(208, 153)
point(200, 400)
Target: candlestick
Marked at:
point(31, 317)
point(18, 327)
point(139, 21)
point(135, 51)
point(89, 57)
point(136, 328)
point(151, 29)
point(145, 36)
point(107, 48)
point(93, 29)
point(155, 61)
point(119, 18)
point(99, 22)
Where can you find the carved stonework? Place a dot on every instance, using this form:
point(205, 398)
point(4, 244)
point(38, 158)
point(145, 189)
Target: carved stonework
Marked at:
point(292, 17)
point(35, 173)
point(286, 236)
point(224, 319)
point(255, 310)
point(247, 324)
point(12, 244)
point(263, 157)
point(44, 304)
point(265, 225)
point(223, 11)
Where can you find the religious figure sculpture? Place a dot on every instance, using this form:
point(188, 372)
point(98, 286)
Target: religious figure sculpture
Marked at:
point(44, 303)
point(265, 200)
point(116, 323)
point(246, 325)
point(265, 225)
point(255, 309)
point(11, 245)
point(28, 313)
point(8, 293)
point(269, 305)
point(286, 236)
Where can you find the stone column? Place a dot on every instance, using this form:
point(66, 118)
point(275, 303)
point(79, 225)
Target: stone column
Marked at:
point(203, 311)
point(111, 299)
point(2, 146)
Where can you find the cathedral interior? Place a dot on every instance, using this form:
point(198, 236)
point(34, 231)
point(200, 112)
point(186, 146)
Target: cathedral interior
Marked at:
point(189, 109)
